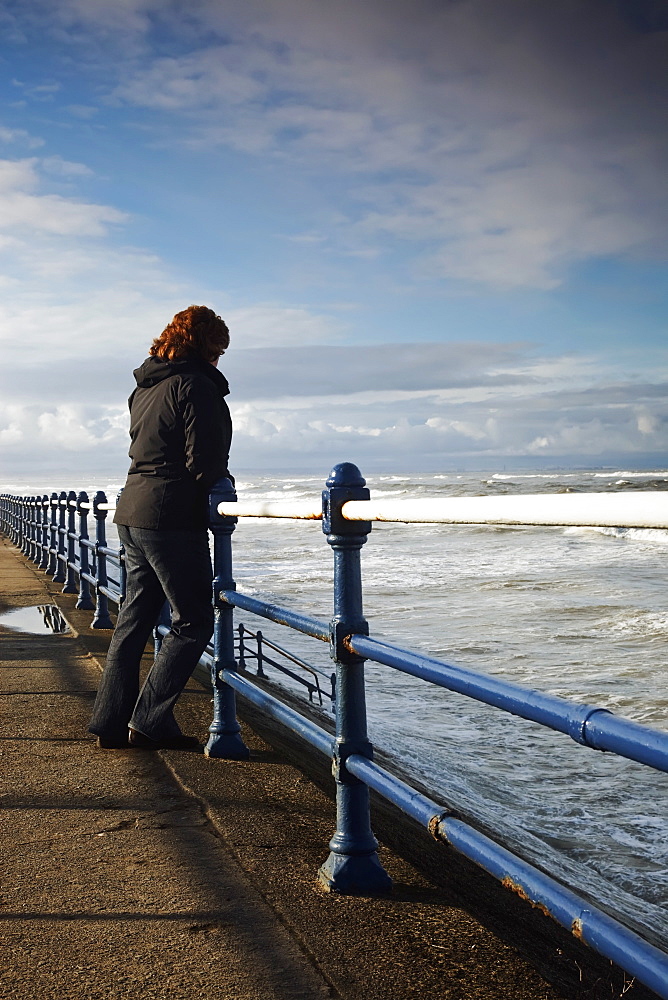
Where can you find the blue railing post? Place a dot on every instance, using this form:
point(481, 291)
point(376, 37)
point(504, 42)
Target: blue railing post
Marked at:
point(101, 619)
point(25, 525)
point(27, 537)
point(85, 601)
point(52, 565)
point(260, 668)
point(61, 555)
point(353, 865)
point(44, 529)
point(34, 510)
point(37, 543)
point(242, 647)
point(70, 586)
point(35, 550)
point(19, 523)
point(30, 528)
point(225, 740)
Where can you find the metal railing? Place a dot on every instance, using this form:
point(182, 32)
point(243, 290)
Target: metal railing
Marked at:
point(53, 532)
point(353, 864)
point(38, 525)
point(311, 682)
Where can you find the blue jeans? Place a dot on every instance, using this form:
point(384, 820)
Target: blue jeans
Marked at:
point(161, 565)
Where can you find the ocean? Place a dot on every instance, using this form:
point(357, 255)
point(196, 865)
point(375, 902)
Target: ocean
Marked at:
point(576, 612)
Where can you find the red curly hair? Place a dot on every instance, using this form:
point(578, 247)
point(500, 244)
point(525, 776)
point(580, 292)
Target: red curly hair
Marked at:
point(195, 330)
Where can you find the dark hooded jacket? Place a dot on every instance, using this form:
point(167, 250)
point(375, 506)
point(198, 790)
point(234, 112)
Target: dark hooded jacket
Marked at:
point(180, 430)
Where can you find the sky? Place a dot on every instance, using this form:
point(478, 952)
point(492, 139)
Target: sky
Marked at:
point(437, 229)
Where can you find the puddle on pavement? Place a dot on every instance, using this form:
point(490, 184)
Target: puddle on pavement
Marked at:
point(44, 619)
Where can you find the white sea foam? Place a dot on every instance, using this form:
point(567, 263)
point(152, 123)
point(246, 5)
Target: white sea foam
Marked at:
point(655, 474)
point(651, 536)
point(583, 475)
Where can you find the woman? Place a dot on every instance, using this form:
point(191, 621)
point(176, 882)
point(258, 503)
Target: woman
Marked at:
point(180, 430)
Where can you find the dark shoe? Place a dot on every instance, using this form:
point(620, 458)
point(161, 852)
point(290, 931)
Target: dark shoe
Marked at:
point(179, 742)
point(113, 743)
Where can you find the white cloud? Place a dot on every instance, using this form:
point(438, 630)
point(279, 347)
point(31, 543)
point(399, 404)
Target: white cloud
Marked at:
point(273, 324)
point(648, 423)
point(23, 209)
point(59, 167)
point(76, 428)
point(21, 136)
point(83, 419)
point(195, 81)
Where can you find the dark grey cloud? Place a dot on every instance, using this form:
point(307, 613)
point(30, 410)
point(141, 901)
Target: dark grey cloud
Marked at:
point(321, 370)
point(310, 370)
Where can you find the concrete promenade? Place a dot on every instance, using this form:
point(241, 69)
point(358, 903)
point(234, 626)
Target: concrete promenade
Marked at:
point(153, 875)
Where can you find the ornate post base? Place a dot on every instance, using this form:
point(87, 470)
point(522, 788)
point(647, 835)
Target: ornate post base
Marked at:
point(225, 741)
point(102, 620)
point(353, 875)
point(226, 746)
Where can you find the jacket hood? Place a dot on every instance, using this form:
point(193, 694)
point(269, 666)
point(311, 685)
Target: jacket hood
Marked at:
point(155, 370)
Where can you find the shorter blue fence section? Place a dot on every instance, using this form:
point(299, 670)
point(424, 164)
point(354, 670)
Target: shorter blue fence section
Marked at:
point(53, 531)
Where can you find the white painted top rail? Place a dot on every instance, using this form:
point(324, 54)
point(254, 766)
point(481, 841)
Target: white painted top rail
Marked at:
point(617, 510)
point(299, 510)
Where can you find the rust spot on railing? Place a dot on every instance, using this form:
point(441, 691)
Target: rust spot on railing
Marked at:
point(576, 929)
point(520, 891)
point(434, 824)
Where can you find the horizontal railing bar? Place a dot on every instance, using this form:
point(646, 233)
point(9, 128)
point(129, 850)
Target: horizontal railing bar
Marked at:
point(596, 928)
point(413, 803)
point(283, 616)
point(641, 509)
point(317, 737)
point(301, 510)
point(251, 654)
point(290, 673)
point(106, 551)
point(615, 510)
point(284, 652)
point(588, 725)
point(113, 595)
